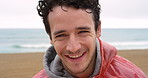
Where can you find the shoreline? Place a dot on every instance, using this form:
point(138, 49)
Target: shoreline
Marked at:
point(26, 65)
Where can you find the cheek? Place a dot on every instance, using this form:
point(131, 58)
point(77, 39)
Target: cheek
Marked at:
point(90, 42)
point(58, 48)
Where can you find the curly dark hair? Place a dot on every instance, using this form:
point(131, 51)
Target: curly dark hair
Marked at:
point(44, 7)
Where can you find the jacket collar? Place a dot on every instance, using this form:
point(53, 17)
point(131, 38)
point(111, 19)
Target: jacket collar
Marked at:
point(108, 53)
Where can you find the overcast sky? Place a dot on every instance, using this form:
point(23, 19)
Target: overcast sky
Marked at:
point(114, 14)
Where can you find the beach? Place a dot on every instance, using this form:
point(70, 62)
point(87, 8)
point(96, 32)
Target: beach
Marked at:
point(26, 65)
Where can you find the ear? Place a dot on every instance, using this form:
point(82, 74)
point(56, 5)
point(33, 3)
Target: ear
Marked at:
point(51, 42)
point(99, 30)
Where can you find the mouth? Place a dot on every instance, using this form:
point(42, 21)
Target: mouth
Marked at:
point(76, 57)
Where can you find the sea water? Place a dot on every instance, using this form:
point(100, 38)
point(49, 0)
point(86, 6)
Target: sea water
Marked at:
point(36, 40)
point(23, 40)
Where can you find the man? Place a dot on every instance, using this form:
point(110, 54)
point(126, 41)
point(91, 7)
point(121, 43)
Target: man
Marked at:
point(74, 28)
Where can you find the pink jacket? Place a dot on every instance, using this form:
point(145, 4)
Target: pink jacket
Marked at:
point(112, 66)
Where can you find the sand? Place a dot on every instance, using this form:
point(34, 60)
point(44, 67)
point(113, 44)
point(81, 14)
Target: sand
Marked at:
point(26, 65)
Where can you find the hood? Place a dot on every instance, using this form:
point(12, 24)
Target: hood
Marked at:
point(53, 65)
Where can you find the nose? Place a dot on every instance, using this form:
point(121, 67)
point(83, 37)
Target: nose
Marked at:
point(73, 44)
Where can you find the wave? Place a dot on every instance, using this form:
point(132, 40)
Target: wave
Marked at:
point(118, 45)
point(32, 45)
point(129, 43)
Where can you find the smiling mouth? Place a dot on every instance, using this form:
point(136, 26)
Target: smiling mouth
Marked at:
point(75, 56)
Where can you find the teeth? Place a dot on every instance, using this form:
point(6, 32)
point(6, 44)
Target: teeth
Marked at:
point(76, 56)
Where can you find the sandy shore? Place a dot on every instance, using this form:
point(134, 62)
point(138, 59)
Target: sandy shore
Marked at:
point(25, 65)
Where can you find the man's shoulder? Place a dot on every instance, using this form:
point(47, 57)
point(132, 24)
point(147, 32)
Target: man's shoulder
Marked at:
point(118, 66)
point(41, 74)
point(127, 68)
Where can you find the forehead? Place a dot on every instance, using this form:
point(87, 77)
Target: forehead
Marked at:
point(69, 19)
point(68, 11)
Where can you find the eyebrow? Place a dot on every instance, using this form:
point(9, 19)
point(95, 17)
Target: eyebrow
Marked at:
point(81, 28)
point(58, 32)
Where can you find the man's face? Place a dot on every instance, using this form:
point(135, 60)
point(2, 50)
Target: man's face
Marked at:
point(74, 38)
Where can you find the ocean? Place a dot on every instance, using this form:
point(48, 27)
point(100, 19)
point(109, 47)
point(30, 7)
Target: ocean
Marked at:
point(36, 40)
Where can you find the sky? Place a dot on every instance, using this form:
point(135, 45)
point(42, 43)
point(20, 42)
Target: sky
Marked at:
point(114, 14)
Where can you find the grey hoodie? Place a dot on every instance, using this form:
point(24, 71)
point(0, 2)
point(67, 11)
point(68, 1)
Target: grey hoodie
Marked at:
point(55, 69)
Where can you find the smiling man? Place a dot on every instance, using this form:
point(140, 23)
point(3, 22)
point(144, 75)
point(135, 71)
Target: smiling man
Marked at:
point(74, 39)
point(74, 28)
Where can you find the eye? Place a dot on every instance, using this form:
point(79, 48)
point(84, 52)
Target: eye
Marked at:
point(83, 32)
point(60, 36)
